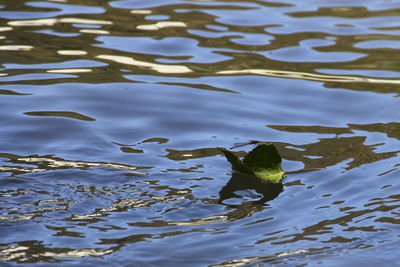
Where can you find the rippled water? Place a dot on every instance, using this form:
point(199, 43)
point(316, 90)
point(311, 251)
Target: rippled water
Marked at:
point(112, 113)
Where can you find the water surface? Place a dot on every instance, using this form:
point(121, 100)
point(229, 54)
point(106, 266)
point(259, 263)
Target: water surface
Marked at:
point(113, 112)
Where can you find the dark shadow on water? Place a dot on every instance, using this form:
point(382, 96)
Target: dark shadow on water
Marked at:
point(241, 181)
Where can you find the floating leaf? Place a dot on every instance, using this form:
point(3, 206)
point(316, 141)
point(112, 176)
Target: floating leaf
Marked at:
point(263, 161)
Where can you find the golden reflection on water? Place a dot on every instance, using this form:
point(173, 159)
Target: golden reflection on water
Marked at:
point(160, 25)
point(308, 76)
point(52, 163)
point(116, 23)
point(141, 11)
point(97, 32)
point(28, 252)
point(331, 151)
point(69, 71)
point(53, 21)
point(156, 67)
point(71, 52)
point(278, 258)
point(16, 47)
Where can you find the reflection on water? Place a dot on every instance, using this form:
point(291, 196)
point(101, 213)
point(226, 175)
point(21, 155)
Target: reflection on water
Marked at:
point(113, 113)
point(331, 151)
point(51, 163)
point(68, 114)
point(239, 181)
point(157, 67)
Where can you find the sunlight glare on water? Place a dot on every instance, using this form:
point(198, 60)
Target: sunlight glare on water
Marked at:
point(114, 113)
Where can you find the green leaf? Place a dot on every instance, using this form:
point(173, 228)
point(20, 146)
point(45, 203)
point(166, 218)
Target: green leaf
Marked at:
point(236, 163)
point(263, 161)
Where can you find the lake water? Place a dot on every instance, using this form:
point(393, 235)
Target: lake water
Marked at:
point(112, 113)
